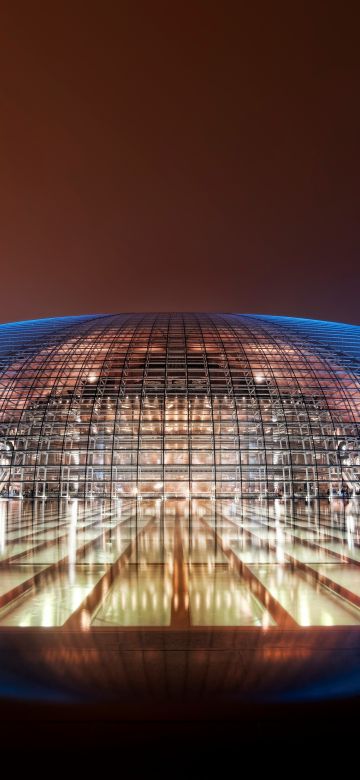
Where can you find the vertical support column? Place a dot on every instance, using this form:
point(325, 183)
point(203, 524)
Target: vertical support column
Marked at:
point(180, 614)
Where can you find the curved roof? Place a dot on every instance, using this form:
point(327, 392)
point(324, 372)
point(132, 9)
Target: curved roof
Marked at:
point(194, 402)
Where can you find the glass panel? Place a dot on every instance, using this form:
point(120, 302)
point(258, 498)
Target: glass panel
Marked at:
point(308, 603)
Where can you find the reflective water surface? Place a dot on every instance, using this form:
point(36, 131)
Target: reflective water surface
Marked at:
point(179, 563)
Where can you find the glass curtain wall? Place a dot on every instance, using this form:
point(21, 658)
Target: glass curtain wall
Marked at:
point(179, 405)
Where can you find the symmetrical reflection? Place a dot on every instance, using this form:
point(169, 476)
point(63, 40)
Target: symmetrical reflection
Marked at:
point(179, 563)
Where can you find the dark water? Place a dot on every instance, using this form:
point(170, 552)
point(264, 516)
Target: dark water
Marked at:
point(179, 602)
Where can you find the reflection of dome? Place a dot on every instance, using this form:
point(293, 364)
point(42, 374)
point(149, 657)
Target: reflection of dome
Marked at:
point(216, 405)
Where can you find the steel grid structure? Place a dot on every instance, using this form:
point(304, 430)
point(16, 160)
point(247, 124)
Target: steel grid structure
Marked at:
point(179, 405)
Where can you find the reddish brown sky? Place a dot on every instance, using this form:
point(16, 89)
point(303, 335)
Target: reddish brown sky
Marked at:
point(179, 155)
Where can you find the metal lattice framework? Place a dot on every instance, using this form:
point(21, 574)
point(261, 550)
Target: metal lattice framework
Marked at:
point(212, 405)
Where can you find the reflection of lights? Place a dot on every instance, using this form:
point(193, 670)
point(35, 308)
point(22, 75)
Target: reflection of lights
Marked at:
point(47, 618)
point(227, 601)
point(2, 526)
point(265, 620)
point(327, 619)
point(304, 616)
point(85, 620)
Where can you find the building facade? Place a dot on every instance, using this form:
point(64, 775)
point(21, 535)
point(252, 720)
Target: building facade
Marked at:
point(179, 405)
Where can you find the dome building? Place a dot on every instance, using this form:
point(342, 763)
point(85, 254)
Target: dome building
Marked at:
point(179, 406)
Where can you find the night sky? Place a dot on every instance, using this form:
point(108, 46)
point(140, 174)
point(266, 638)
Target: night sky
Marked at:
point(179, 156)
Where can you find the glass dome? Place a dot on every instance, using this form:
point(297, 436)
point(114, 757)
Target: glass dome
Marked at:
point(179, 405)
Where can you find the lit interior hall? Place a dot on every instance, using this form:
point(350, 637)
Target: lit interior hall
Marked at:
point(179, 471)
point(179, 406)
